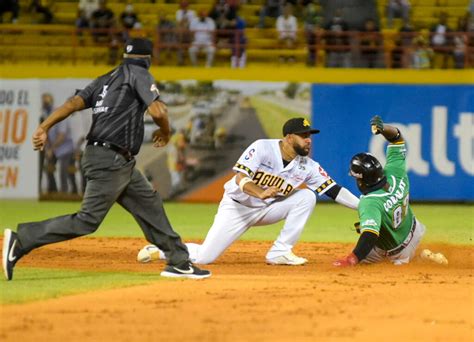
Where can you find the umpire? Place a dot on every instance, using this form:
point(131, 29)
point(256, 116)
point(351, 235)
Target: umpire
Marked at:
point(118, 100)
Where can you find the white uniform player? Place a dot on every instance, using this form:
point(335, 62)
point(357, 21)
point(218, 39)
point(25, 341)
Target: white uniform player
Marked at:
point(265, 190)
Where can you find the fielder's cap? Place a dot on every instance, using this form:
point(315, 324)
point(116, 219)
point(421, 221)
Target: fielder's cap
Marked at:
point(297, 126)
point(138, 46)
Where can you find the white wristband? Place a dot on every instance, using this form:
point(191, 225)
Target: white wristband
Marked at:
point(244, 181)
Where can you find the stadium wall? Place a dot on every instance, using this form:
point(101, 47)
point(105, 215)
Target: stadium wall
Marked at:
point(436, 106)
point(282, 74)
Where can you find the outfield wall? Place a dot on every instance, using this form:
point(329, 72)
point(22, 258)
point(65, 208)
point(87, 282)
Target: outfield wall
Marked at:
point(434, 108)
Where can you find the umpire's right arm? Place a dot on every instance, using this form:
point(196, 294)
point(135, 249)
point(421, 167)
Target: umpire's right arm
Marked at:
point(41, 134)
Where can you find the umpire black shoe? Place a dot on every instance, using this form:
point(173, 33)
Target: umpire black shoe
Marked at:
point(185, 270)
point(10, 252)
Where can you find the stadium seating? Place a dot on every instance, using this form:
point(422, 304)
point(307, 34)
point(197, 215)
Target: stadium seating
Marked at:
point(29, 41)
point(424, 13)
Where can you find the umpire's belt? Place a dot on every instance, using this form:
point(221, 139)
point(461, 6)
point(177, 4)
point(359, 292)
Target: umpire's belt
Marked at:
point(405, 243)
point(112, 147)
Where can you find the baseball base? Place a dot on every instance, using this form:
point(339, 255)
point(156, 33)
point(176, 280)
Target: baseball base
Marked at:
point(148, 253)
point(438, 258)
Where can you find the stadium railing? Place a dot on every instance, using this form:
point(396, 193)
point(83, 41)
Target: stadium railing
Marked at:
point(58, 44)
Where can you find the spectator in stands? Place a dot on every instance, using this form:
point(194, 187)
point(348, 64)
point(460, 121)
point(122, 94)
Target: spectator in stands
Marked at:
point(370, 43)
point(183, 14)
point(238, 42)
point(102, 20)
point(88, 6)
point(167, 34)
point(176, 151)
point(312, 29)
point(43, 7)
point(82, 24)
point(271, 8)
point(223, 14)
point(337, 42)
point(203, 29)
point(470, 40)
point(184, 17)
point(398, 9)
point(129, 21)
point(11, 6)
point(402, 50)
point(59, 148)
point(422, 55)
point(441, 40)
point(287, 27)
point(460, 42)
point(47, 102)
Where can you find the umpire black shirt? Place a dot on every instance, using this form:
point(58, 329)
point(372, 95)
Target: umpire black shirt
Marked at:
point(118, 100)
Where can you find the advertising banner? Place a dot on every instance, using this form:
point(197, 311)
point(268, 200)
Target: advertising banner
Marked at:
point(54, 172)
point(19, 115)
point(436, 121)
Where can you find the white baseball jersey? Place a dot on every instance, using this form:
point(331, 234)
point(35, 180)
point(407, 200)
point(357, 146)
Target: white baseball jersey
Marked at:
point(263, 163)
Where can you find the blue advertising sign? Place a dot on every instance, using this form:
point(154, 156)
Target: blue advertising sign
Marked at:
point(436, 121)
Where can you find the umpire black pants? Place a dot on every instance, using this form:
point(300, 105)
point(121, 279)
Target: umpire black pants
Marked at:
point(110, 178)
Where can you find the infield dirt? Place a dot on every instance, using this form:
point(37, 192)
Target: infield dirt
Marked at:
point(247, 300)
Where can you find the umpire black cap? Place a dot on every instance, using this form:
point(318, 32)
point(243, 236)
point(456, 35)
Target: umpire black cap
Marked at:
point(138, 46)
point(298, 126)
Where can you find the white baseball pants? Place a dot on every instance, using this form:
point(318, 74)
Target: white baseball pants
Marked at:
point(233, 219)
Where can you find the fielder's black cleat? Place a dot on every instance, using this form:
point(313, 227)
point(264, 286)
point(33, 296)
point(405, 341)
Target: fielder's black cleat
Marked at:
point(185, 270)
point(10, 252)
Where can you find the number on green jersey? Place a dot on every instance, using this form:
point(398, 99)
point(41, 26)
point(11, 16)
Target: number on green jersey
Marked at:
point(400, 212)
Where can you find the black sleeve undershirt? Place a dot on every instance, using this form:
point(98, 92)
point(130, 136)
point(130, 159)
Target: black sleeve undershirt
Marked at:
point(364, 245)
point(334, 191)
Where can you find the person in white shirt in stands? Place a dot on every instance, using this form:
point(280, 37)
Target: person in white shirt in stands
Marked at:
point(203, 29)
point(184, 17)
point(398, 9)
point(287, 27)
point(184, 14)
point(88, 6)
point(442, 41)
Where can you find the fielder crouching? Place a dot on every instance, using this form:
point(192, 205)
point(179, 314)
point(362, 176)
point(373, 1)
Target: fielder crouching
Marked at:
point(388, 227)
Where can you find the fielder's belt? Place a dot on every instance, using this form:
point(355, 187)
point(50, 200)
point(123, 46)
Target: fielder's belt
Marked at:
point(127, 155)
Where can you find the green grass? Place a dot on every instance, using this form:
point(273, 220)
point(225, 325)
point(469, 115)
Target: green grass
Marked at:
point(450, 223)
point(272, 116)
point(31, 284)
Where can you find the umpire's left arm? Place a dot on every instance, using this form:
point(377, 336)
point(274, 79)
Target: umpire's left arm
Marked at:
point(159, 113)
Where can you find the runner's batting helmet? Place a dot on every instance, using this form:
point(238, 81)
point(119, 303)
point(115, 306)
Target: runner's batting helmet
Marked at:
point(368, 172)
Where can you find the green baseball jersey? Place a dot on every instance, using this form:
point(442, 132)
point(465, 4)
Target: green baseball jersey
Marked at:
point(388, 214)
